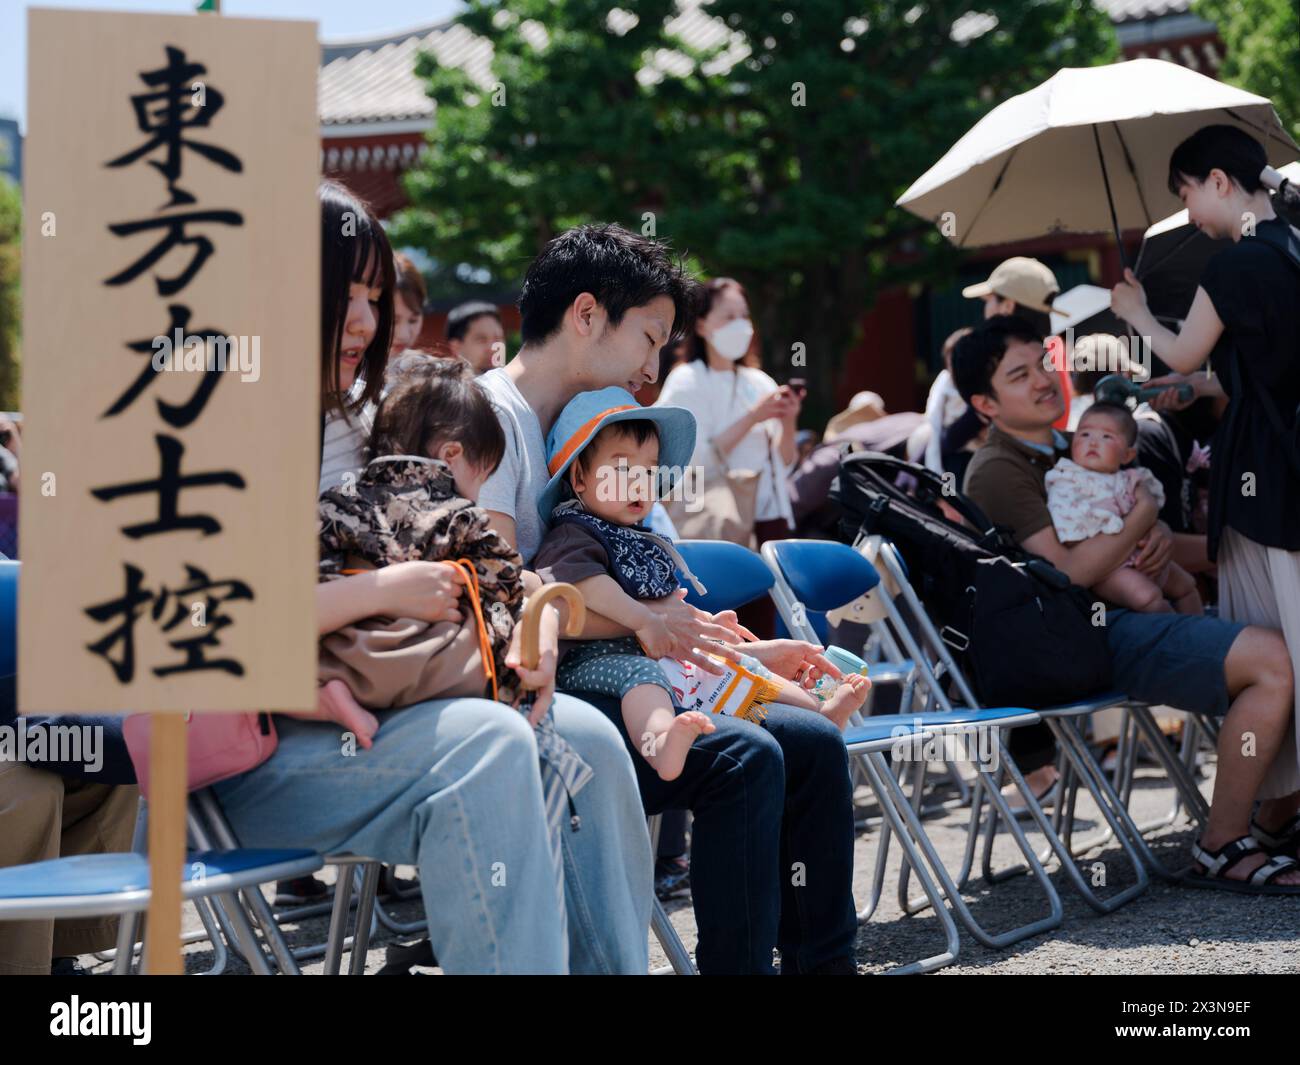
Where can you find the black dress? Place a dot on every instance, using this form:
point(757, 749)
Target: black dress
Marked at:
point(1253, 489)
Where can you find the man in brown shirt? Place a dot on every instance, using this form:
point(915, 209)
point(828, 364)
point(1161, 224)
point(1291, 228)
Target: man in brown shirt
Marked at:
point(1198, 664)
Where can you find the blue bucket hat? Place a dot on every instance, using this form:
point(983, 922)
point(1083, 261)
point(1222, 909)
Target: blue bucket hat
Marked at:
point(588, 413)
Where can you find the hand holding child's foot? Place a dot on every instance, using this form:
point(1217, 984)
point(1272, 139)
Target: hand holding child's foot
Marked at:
point(671, 746)
point(847, 699)
point(335, 703)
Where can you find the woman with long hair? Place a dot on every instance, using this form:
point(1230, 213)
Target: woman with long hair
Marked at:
point(743, 418)
point(449, 785)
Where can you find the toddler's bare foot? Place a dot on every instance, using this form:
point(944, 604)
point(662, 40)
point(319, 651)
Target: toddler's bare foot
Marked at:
point(672, 745)
point(848, 698)
point(336, 703)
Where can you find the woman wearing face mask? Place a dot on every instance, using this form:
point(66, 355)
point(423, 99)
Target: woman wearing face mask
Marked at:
point(740, 411)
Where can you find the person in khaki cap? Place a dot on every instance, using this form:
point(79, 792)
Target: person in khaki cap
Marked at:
point(1018, 285)
point(1023, 287)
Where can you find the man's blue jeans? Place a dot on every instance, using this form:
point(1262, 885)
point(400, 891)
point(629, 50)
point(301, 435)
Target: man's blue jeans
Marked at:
point(452, 786)
point(772, 839)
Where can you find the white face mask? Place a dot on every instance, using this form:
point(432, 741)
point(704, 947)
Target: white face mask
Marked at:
point(731, 341)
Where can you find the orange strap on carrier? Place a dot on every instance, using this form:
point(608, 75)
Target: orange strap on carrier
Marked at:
point(467, 570)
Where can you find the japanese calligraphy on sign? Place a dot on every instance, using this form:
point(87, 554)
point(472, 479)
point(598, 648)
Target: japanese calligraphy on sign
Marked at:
point(171, 343)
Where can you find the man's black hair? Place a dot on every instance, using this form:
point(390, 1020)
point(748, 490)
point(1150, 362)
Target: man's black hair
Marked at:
point(460, 318)
point(1227, 148)
point(1040, 321)
point(619, 268)
point(977, 355)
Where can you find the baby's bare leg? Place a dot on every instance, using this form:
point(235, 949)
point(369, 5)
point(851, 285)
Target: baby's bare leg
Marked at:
point(662, 737)
point(848, 698)
point(1133, 589)
point(1180, 588)
point(335, 702)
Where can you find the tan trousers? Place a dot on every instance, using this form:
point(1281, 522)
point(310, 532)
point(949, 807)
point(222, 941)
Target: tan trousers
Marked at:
point(1261, 585)
point(44, 816)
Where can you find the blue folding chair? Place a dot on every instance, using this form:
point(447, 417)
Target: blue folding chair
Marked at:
point(110, 884)
point(824, 575)
point(869, 742)
point(928, 648)
point(91, 885)
point(828, 582)
point(732, 575)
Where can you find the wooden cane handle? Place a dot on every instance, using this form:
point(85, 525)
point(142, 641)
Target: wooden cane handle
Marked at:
point(533, 617)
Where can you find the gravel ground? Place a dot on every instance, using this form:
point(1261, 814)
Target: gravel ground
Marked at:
point(1168, 929)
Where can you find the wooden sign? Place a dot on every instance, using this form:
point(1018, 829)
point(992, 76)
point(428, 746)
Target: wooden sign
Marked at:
point(171, 358)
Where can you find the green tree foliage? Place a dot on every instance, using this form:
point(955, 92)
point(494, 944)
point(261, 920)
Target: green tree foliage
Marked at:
point(11, 226)
point(780, 171)
point(1262, 39)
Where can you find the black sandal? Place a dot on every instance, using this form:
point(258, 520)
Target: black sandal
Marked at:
point(1285, 841)
point(1215, 863)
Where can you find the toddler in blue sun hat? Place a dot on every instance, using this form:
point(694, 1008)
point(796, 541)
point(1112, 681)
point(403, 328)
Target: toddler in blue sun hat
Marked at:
point(607, 456)
point(604, 453)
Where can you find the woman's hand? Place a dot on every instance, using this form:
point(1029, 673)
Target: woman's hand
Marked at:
point(1203, 385)
point(426, 591)
point(695, 633)
point(776, 404)
point(1128, 299)
point(794, 403)
point(541, 681)
point(794, 660)
point(1168, 399)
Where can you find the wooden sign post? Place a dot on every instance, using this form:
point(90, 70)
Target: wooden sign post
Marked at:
point(171, 353)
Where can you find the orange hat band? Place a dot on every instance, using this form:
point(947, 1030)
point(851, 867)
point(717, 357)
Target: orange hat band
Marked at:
point(580, 439)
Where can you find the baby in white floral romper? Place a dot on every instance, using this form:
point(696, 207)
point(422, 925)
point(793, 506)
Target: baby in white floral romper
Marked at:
point(1089, 494)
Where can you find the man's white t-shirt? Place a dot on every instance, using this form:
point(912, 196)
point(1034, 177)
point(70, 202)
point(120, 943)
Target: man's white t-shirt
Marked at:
point(520, 479)
point(718, 399)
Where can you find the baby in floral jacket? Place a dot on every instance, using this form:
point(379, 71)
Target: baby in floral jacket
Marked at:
point(1089, 495)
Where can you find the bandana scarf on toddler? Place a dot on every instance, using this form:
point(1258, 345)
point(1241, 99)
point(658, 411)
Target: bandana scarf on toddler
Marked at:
point(644, 563)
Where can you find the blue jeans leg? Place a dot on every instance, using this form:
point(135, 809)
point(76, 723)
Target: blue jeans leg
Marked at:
point(734, 783)
point(819, 921)
point(608, 869)
point(451, 786)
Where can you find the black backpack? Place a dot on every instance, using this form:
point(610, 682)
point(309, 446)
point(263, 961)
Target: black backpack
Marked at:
point(1019, 630)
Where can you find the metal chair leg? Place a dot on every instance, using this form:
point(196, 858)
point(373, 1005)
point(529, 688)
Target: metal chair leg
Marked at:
point(1066, 732)
point(365, 912)
point(1115, 812)
point(1194, 802)
point(334, 945)
point(674, 949)
point(924, 850)
point(220, 955)
point(878, 771)
point(212, 826)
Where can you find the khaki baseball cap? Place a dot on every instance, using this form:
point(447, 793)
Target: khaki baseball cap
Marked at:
point(1027, 281)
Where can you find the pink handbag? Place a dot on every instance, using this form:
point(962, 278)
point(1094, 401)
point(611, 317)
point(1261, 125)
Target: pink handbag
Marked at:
point(220, 745)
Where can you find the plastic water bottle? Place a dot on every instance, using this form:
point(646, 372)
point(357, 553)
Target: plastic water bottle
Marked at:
point(846, 662)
